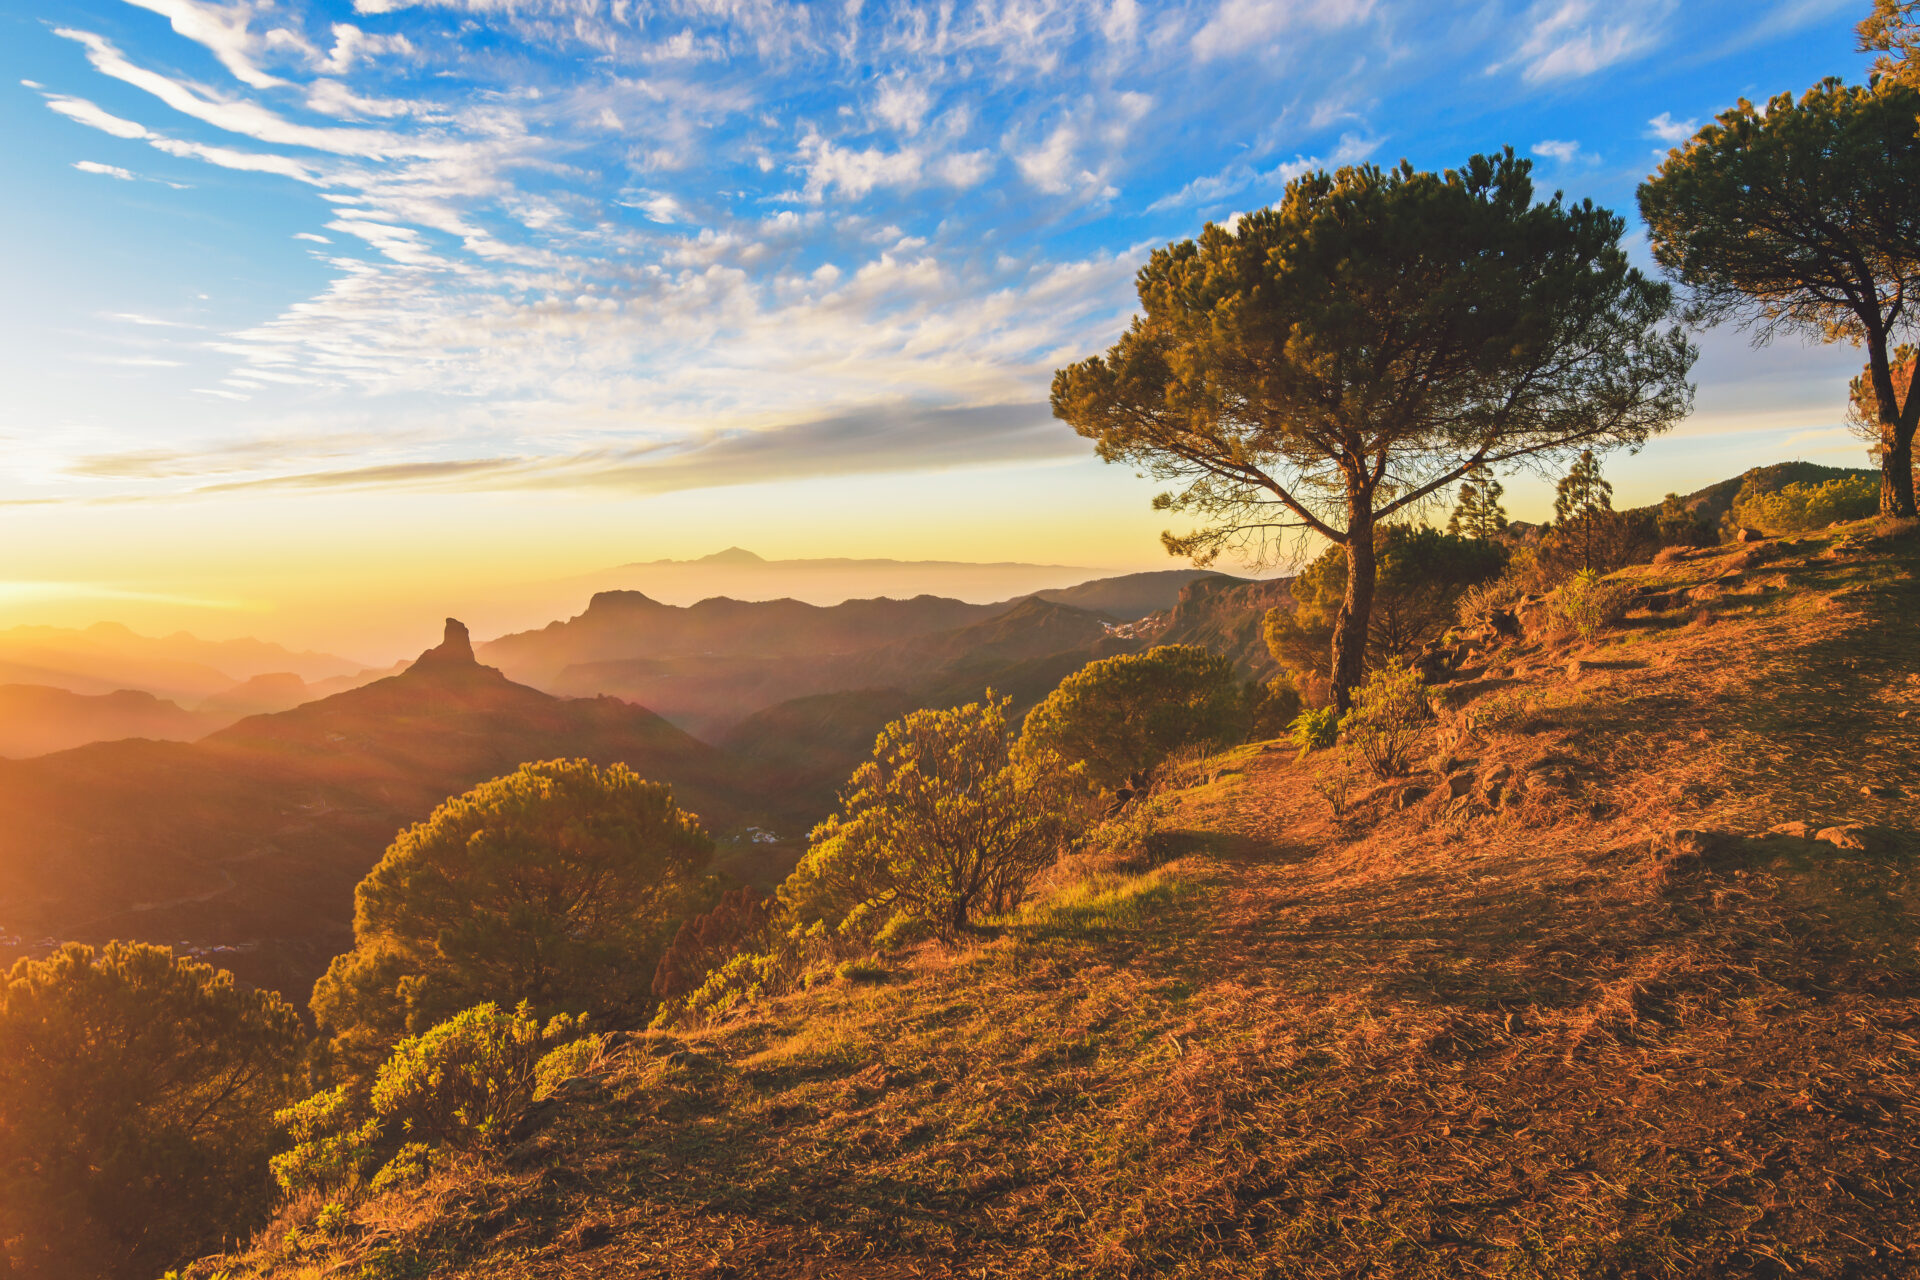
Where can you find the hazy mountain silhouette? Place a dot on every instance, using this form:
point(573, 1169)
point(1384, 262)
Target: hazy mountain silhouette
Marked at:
point(710, 665)
point(257, 834)
point(108, 656)
point(36, 719)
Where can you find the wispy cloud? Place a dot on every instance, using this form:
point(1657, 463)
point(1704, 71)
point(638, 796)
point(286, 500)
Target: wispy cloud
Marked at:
point(1560, 151)
point(702, 238)
point(1236, 179)
point(104, 170)
point(1571, 39)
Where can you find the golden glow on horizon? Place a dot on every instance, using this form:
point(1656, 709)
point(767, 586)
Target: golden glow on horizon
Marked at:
point(370, 574)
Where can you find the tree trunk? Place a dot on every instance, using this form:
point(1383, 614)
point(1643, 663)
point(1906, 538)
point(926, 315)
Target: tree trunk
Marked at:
point(1356, 611)
point(1896, 477)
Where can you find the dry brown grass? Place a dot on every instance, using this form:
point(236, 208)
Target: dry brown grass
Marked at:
point(1515, 1026)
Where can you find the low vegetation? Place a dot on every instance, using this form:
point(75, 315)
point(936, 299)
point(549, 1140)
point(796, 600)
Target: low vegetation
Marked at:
point(1121, 718)
point(560, 884)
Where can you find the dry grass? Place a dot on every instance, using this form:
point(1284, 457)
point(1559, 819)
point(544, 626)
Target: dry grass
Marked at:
point(1512, 1026)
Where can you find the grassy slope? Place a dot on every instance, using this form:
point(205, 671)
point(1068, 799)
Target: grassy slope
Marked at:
point(1502, 1035)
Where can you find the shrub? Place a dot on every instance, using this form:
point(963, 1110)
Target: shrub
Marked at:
point(1590, 603)
point(1799, 507)
point(1314, 730)
point(334, 1143)
point(1389, 712)
point(459, 1084)
point(411, 1164)
point(944, 821)
point(558, 884)
point(860, 969)
point(901, 931)
point(1124, 716)
point(137, 1093)
point(463, 1081)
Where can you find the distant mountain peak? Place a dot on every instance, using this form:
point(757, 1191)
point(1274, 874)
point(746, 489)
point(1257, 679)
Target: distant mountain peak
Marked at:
point(454, 650)
point(732, 555)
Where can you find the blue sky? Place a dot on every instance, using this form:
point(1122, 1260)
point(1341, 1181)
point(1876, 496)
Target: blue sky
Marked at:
point(610, 279)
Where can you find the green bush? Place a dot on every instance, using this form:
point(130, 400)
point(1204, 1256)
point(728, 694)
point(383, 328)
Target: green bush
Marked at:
point(333, 1144)
point(459, 1084)
point(411, 1164)
point(1799, 507)
point(946, 820)
point(902, 930)
point(1590, 603)
point(860, 969)
point(1124, 716)
point(1314, 730)
point(463, 1081)
point(559, 884)
point(1389, 713)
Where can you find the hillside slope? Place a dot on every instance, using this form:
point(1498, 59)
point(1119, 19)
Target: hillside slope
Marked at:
point(254, 837)
point(1624, 983)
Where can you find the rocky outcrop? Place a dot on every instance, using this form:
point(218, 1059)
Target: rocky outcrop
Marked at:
point(454, 650)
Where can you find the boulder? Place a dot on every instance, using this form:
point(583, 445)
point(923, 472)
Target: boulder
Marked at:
point(1850, 836)
point(1750, 535)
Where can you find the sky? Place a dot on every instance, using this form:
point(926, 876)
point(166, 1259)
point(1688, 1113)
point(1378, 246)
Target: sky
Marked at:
point(321, 320)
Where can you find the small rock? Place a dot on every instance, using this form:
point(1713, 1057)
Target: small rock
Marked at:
point(688, 1059)
point(1851, 836)
point(1575, 669)
point(1460, 784)
point(1876, 792)
point(1751, 535)
point(1408, 797)
point(1798, 830)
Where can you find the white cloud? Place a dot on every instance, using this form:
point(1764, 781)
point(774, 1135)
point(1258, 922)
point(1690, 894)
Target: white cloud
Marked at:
point(227, 32)
point(658, 206)
point(351, 45)
point(1670, 131)
point(1054, 166)
point(1552, 149)
point(902, 105)
point(83, 112)
point(105, 170)
point(311, 235)
point(1241, 28)
point(1568, 39)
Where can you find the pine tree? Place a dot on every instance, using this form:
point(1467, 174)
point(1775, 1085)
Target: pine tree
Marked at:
point(1579, 501)
point(1479, 513)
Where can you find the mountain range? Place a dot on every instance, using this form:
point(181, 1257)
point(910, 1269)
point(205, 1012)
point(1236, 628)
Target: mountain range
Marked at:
point(710, 665)
point(743, 575)
point(248, 842)
point(254, 837)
